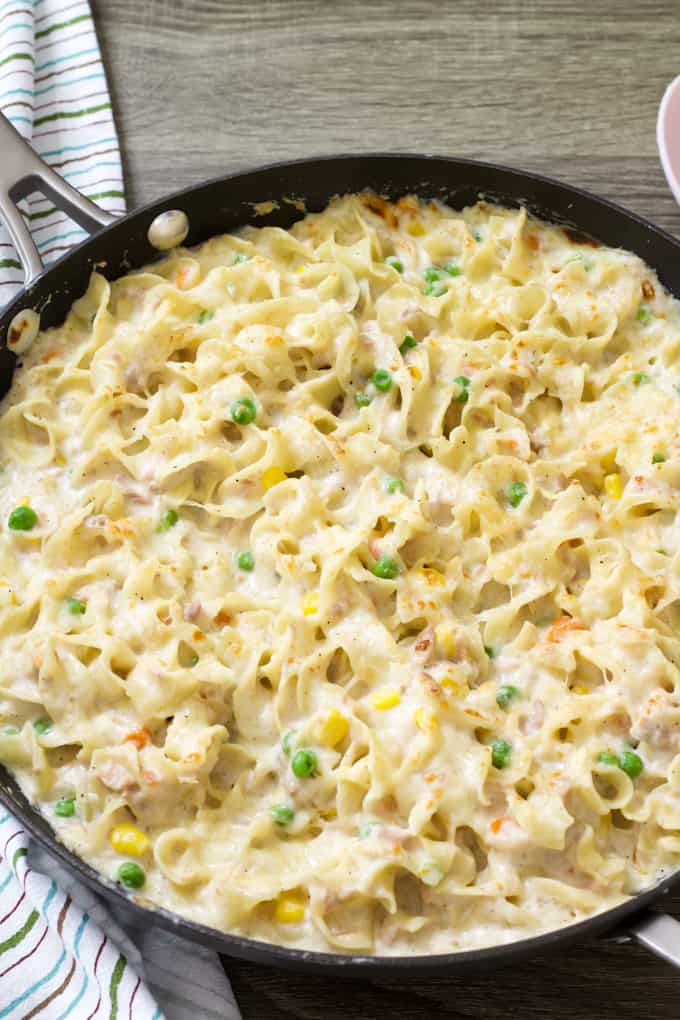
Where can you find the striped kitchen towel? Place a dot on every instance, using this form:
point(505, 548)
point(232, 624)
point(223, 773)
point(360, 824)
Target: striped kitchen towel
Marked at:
point(53, 89)
point(63, 953)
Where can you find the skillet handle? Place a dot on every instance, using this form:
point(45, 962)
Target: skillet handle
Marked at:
point(23, 172)
point(657, 932)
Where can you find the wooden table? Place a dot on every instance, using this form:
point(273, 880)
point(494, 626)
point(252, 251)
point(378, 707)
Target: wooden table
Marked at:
point(566, 87)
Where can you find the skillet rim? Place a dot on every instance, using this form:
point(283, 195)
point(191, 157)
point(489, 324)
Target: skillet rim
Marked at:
point(241, 946)
point(172, 199)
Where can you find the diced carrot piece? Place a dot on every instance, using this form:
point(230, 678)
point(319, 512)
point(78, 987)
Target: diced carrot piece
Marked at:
point(184, 277)
point(562, 627)
point(140, 738)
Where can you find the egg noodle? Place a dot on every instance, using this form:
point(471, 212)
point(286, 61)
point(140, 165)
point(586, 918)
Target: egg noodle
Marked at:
point(340, 584)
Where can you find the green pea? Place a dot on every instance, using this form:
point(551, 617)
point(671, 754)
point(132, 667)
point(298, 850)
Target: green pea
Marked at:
point(631, 763)
point(282, 814)
point(500, 753)
point(131, 875)
point(463, 389)
point(436, 289)
point(241, 257)
point(640, 378)
point(168, 520)
point(658, 458)
point(516, 493)
point(66, 807)
point(394, 262)
point(491, 652)
point(23, 518)
point(9, 731)
point(432, 273)
point(243, 412)
point(287, 742)
point(608, 758)
point(42, 725)
point(205, 316)
point(75, 606)
point(362, 399)
point(644, 314)
point(245, 561)
point(304, 763)
point(382, 380)
point(386, 568)
point(505, 696)
point(452, 269)
point(394, 485)
point(408, 343)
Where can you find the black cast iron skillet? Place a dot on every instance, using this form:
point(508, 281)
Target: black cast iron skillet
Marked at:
point(223, 205)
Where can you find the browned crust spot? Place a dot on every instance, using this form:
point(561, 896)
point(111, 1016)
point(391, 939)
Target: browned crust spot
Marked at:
point(578, 237)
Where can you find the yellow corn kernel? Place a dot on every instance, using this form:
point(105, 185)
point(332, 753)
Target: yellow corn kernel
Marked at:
point(580, 689)
point(613, 486)
point(388, 697)
point(328, 814)
point(415, 228)
point(454, 685)
point(415, 372)
point(425, 720)
point(445, 638)
point(59, 460)
point(129, 840)
point(334, 729)
point(272, 476)
point(300, 269)
point(434, 577)
point(310, 603)
point(290, 908)
point(25, 501)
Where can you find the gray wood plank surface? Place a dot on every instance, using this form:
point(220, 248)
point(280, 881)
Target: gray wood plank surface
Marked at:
point(567, 88)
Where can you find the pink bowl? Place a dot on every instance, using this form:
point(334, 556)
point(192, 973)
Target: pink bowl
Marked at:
point(668, 136)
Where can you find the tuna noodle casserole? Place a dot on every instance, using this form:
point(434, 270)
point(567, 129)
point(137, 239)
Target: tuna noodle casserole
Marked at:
point(341, 579)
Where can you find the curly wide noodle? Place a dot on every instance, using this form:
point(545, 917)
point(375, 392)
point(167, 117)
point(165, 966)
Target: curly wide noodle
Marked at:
point(534, 428)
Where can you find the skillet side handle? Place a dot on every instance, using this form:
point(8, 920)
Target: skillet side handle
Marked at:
point(21, 173)
point(659, 933)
